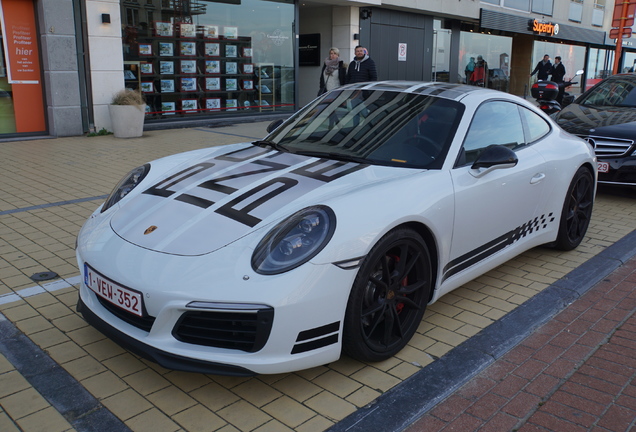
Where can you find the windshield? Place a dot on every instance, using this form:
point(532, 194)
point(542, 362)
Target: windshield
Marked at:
point(373, 126)
point(612, 92)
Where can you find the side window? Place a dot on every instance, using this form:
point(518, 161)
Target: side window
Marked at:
point(495, 122)
point(537, 128)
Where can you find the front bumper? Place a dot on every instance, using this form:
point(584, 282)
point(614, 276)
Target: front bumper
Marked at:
point(622, 171)
point(163, 358)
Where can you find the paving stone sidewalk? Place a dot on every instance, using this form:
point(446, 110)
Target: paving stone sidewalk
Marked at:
point(575, 373)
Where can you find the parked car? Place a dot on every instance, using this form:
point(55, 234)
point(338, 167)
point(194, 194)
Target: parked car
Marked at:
point(331, 234)
point(605, 116)
point(498, 80)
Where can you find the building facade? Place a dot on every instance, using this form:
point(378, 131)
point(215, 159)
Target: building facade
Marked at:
point(208, 61)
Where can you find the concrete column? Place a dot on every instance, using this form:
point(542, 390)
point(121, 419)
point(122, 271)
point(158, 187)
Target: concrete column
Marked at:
point(521, 64)
point(106, 61)
point(345, 23)
point(59, 63)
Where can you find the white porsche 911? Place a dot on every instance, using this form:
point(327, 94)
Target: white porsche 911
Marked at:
point(334, 232)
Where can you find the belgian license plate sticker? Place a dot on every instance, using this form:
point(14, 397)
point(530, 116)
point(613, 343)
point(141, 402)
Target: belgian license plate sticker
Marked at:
point(112, 292)
point(603, 167)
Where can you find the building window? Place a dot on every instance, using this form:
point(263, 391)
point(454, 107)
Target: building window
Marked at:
point(132, 16)
point(576, 10)
point(495, 2)
point(598, 13)
point(523, 5)
point(204, 58)
point(543, 7)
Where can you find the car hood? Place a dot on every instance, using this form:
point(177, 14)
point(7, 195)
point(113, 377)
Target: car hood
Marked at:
point(207, 203)
point(585, 120)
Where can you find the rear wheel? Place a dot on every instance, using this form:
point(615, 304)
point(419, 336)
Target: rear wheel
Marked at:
point(577, 210)
point(389, 297)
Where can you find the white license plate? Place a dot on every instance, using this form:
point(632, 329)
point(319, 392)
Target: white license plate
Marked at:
point(603, 167)
point(112, 292)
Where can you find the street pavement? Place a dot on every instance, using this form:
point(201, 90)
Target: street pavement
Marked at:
point(541, 343)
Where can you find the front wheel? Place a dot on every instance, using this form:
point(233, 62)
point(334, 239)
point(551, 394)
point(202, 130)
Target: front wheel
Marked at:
point(389, 297)
point(577, 210)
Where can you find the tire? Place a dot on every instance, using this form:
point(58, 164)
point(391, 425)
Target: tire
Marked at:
point(389, 297)
point(577, 211)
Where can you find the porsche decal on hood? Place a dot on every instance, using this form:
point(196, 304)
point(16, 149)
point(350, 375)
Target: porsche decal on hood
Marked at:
point(211, 203)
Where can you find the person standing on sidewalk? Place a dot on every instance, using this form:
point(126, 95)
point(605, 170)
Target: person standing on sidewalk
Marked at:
point(333, 72)
point(558, 73)
point(362, 68)
point(543, 68)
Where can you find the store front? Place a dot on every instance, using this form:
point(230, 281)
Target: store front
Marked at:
point(502, 34)
point(21, 96)
point(198, 58)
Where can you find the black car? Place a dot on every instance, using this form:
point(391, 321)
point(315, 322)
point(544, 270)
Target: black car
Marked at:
point(605, 116)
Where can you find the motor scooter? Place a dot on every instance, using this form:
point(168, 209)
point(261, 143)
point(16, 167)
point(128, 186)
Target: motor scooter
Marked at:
point(546, 92)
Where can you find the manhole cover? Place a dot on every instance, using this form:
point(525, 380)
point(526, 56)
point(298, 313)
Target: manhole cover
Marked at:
point(43, 276)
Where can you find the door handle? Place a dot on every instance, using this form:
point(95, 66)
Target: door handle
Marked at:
point(537, 178)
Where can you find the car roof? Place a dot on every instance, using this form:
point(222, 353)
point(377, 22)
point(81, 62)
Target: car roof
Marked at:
point(439, 89)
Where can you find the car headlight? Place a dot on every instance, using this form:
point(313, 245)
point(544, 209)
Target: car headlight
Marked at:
point(294, 241)
point(128, 183)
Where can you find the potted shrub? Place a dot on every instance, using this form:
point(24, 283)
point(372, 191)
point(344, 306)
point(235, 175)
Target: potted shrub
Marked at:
point(127, 112)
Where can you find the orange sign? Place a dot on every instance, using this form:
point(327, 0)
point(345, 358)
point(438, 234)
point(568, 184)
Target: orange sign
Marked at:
point(23, 64)
point(544, 27)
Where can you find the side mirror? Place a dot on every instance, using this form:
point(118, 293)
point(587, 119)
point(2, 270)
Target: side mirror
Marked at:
point(494, 157)
point(273, 125)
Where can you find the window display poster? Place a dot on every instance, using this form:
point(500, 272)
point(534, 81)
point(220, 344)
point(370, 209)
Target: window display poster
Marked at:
point(147, 87)
point(146, 68)
point(213, 104)
point(23, 64)
point(188, 48)
point(167, 86)
point(163, 29)
point(230, 32)
point(231, 50)
point(231, 68)
point(211, 32)
point(213, 84)
point(168, 106)
point(188, 66)
point(165, 49)
point(166, 68)
point(189, 105)
point(231, 104)
point(231, 84)
point(188, 84)
point(212, 66)
point(212, 49)
point(187, 30)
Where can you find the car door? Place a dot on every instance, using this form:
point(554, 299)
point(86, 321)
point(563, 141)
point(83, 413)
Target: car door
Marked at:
point(496, 208)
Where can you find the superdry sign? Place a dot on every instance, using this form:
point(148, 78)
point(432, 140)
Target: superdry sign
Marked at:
point(540, 27)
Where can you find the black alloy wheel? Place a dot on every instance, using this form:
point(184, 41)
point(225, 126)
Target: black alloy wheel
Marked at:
point(577, 210)
point(389, 297)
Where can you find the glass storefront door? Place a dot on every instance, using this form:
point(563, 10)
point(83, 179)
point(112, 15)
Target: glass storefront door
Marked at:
point(572, 57)
point(196, 57)
point(441, 53)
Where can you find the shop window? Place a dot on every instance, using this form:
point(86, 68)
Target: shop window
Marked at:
point(523, 5)
point(598, 13)
point(211, 58)
point(493, 51)
point(543, 7)
point(576, 10)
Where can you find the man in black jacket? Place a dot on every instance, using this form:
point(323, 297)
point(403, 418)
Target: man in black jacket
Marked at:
point(543, 68)
point(558, 73)
point(362, 68)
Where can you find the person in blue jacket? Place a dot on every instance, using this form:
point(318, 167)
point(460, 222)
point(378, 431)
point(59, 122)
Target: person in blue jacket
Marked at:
point(362, 68)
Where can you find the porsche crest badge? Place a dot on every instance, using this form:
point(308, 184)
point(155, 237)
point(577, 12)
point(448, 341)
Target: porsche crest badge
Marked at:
point(150, 229)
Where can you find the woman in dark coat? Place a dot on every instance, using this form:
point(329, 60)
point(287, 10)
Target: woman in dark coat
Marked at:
point(333, 72)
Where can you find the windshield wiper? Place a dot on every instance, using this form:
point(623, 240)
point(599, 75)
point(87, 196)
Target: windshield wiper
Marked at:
point(336, 156)
point(270, 144)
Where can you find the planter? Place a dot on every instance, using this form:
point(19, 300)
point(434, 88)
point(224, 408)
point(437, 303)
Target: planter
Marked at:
point(127, 120)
